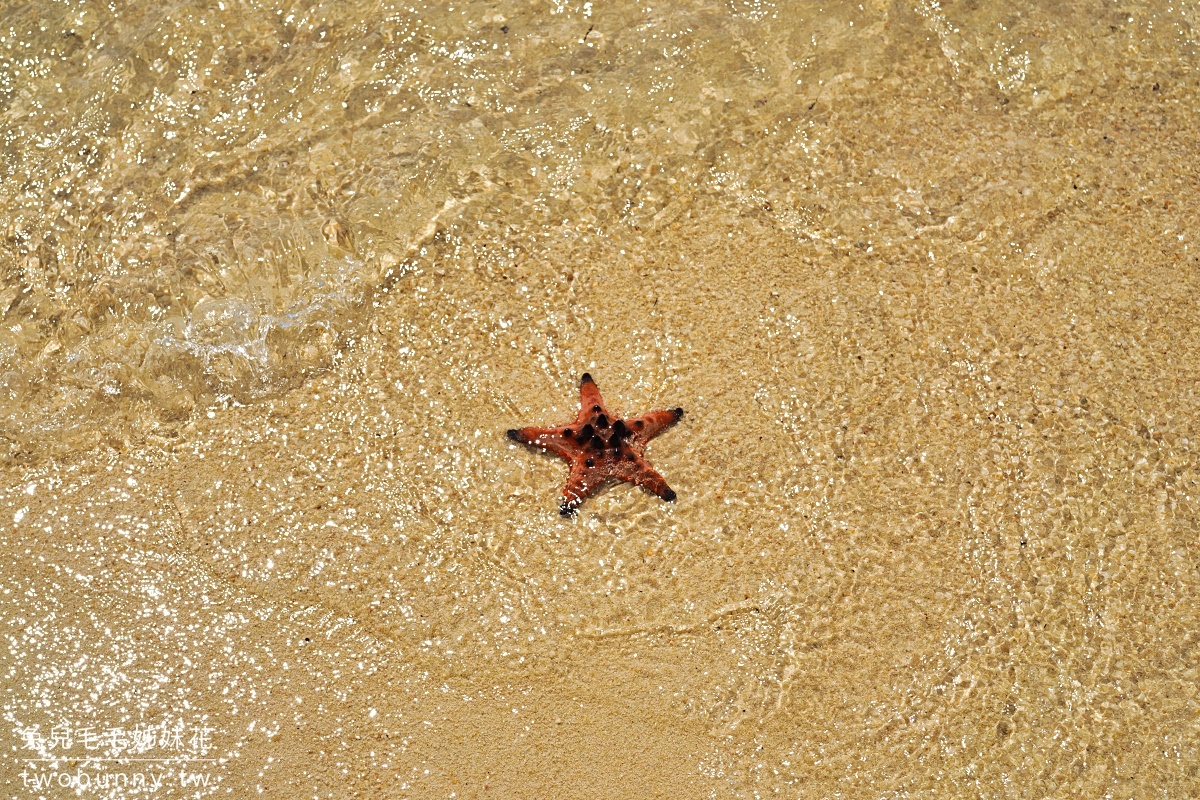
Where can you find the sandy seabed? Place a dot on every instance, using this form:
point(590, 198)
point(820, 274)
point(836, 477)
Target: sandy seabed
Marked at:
point(924, 280)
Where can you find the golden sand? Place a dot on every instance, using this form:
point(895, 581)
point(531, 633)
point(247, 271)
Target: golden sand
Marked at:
point(925, 284)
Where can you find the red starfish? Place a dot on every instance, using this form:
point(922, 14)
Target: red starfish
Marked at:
point(601, 447)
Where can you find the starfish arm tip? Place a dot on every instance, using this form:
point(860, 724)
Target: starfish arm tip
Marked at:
point(587, 378)
point(566, 510)
point(514, 434)
point(678, 413)
point(669, 495)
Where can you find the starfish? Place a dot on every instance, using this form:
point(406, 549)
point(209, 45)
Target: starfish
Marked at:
point(601, 447)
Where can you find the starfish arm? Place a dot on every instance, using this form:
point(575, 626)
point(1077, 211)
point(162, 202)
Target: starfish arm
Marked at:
point(589, 397)
point(643, 475)
point(647, 426)
point(582, 482)
point(556, 440)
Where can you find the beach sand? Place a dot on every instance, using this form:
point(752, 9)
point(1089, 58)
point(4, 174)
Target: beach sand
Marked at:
point(923, 280)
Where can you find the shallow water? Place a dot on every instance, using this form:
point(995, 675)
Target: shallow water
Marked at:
point(277, 278)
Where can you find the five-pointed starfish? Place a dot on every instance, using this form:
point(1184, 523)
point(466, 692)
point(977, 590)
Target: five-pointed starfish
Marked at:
point(601, 447)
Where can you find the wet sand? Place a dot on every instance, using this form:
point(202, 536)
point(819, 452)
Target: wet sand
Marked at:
point(933, 322)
